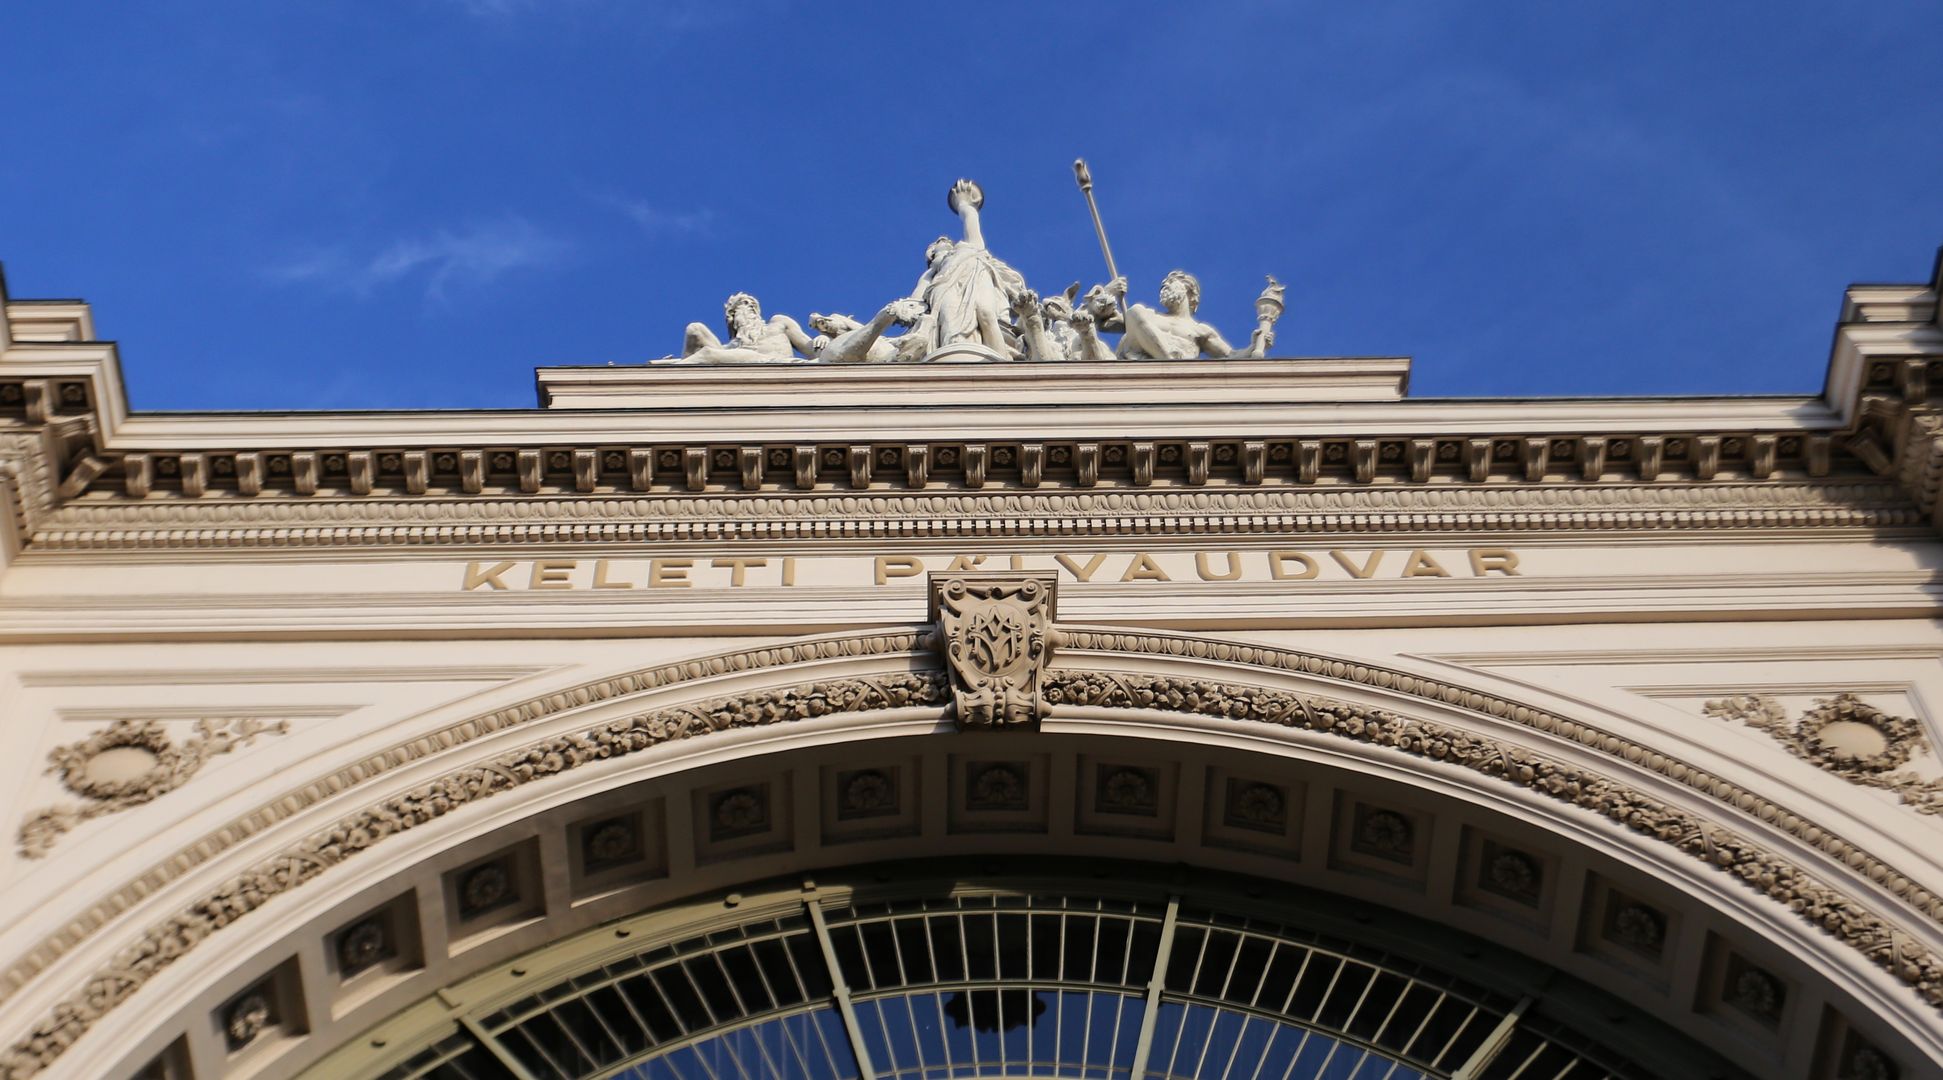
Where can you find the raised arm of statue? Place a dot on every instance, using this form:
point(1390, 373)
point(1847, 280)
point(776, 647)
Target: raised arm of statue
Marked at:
point(966, 198)
point(1088, 344)
point(1039, 344)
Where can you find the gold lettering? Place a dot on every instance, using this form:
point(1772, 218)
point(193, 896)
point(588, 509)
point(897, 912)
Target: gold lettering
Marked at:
point(1144, 568)
point(890, 566)
point(669, 573)
point(600, 577)
point(738, 569)
point(966, 562)
point(789, 570)
point(1278, 566)
point(1073, 568)
point(1233, 572)
point(1368, 569)
point(490, 578)
point(1500, 560)
point(552, 574)
point(1422, 565)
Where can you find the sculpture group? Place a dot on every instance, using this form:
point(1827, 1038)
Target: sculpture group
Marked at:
point(970, 305)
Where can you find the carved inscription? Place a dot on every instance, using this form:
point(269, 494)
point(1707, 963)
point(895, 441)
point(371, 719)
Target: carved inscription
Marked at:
point(1079, 568)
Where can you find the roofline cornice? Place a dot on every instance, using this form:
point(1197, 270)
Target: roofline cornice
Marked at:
point(1292, 429)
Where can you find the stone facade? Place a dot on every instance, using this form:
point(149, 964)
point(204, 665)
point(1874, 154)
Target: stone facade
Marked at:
point(312, 717)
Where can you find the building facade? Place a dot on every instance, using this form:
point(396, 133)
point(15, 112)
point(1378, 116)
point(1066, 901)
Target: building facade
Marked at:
point(1237, 717)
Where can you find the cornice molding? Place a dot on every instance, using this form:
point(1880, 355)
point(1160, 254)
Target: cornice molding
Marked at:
point(26, 482)
point(180, 524)
point(1070, 684)
point(1064, 456)
point(1242, 427)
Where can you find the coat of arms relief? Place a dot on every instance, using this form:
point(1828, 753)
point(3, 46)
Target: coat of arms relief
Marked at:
point(996, 633)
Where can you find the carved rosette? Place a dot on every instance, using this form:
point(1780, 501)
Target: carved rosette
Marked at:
point(995, 630)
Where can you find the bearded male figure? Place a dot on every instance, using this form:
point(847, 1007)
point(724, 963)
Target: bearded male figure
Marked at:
point(1172, 332)
point(967, 292)
point(751, 339)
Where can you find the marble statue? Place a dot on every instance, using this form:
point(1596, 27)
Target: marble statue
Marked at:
point(844, 340)
point(970, 305)
point(967, 291)
point(751, 339)
point(1036, 337)
point(1171, 332)
point(1052, 329)
point(1045, 326)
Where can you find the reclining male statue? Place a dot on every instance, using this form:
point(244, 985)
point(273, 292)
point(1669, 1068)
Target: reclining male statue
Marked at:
point(844, 340)
point(751, 339)
point(1171, 332)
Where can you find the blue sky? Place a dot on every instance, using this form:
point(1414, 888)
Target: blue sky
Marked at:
point(413, 203)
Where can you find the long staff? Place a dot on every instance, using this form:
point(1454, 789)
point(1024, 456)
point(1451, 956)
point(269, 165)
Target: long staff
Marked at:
point(1085, 177)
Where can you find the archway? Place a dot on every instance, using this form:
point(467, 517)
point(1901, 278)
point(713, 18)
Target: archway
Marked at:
point(1539, 834)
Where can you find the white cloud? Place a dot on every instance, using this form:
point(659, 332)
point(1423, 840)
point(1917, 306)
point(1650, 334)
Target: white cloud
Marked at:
point(656, 221)
point(468, 257)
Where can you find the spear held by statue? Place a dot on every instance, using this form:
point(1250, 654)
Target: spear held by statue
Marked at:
point(1085, 177)
point(1268, 306)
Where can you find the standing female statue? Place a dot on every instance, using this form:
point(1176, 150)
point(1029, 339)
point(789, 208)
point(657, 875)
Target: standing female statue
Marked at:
point(967, 292)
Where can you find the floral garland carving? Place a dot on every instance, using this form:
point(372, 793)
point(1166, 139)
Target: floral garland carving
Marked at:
point(1874, 936)
point(168, 941)
point(1902, 739)
point(173, 766)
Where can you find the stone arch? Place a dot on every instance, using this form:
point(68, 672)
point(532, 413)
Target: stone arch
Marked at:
point(1104, 685)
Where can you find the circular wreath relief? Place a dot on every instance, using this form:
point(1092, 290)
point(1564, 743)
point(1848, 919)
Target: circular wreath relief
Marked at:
point(1900, 735)
point(126, 764)
point(75, 761)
